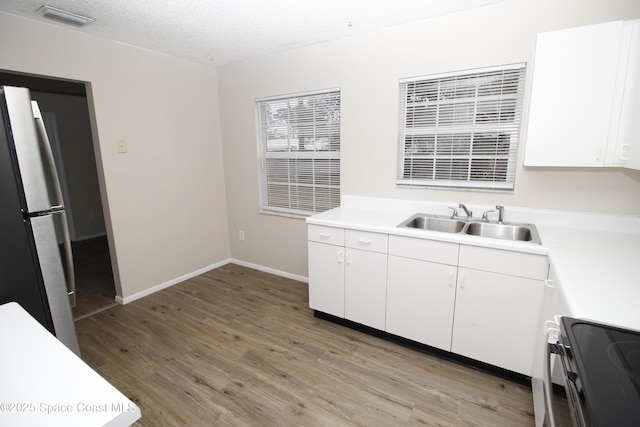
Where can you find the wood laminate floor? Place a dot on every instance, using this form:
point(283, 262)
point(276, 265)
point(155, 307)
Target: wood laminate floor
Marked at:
point(239, 347)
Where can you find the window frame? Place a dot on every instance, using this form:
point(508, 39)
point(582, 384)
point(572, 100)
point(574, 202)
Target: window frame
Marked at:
point(475, 132)
point(299, 163)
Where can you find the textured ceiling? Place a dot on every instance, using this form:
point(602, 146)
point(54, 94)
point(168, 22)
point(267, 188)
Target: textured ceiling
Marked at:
point(218, 32)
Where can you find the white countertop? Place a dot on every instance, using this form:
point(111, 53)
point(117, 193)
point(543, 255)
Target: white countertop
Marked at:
point(45, 384)
point(598, 273)
point(387, 221)
point(593, 255)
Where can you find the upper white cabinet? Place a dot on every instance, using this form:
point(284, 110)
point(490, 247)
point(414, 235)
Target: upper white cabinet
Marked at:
point(584, 92)
point(628, 129)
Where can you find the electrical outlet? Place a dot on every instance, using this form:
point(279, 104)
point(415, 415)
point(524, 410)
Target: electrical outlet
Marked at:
point(241, 234)
point(122, 146)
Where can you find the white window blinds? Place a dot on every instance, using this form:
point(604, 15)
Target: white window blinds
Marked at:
point(300, 147)
point(461, 129)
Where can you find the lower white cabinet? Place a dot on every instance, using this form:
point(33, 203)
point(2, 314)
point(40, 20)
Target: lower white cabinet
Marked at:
point(498, 304)
point(474, 301)
point(365, 287)
point(348, 274)
point(420, 300)
point(326, 278)
point(496, 318)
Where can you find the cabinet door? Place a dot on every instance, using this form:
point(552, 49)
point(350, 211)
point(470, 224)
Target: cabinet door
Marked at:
point(572, 94)
point(629, 128)
point(326, 278)
point(365, 287)
point(420, 298)
point(497, 318)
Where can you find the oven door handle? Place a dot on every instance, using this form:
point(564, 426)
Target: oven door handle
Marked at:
point(551, 348)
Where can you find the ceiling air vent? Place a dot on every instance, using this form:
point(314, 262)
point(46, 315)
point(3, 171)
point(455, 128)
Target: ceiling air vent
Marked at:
point(64, 16)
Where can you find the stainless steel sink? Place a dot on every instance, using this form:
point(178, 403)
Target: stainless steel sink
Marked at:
point(473, 227)
point(520, 232)
point(434, 223)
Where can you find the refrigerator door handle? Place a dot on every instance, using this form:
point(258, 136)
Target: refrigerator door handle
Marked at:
point(68, 258)
point(48, 154)
point(59, 202)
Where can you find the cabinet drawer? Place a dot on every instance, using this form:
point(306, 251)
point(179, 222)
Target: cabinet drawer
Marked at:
point(366, 240)
point(329, 235)
point(519, 264)
point(424, 249)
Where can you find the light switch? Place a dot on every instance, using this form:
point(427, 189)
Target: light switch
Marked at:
point(122, 146)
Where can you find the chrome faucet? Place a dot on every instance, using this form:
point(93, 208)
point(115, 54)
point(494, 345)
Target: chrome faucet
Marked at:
point(485, 215)
point(500, 213)
point(467, 211)
point(455, 212)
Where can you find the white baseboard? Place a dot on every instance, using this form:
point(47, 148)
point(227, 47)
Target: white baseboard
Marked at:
point(203, 270)
point(271, 270)
point(172, 282)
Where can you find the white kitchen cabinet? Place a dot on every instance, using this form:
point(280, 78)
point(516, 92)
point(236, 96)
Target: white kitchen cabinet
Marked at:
point(365, 288)
point(420, 300)
point(421, 290)
point(573, 93)
point(627, 132)
point(326, 278)
point(326, 269)
point(496, 319)
point(497, 309)
point(479, 302)
point(348, 274)
point(365, 278)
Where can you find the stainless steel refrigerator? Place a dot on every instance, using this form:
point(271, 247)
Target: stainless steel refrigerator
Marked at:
point(36, 265)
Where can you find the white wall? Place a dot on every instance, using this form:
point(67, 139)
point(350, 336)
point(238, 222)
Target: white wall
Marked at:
point(367, 69)
point(166, 196)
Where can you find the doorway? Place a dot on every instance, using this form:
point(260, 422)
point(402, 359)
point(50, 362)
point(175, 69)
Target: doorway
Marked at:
point(66, 114)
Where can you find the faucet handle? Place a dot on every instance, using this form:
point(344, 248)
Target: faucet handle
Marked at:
point(455, 212)
point(485, 215)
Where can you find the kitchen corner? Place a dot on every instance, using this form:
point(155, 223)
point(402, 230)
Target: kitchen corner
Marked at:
point(597, 272)
point(584, 268)
point(594, 255)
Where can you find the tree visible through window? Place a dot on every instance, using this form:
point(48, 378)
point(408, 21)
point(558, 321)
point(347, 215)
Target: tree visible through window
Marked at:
point(461, 129)
point(300, 147)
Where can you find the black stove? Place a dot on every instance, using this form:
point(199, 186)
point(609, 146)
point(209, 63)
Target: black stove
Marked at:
point(602, 369)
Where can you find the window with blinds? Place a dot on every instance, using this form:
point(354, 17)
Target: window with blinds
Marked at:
point(300, 148)
point(461, 129)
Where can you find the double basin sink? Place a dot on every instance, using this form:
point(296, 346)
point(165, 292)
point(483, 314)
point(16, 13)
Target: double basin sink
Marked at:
point(505, 230)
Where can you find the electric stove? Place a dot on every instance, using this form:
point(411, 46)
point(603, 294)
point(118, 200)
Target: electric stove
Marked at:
point(602, 372)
